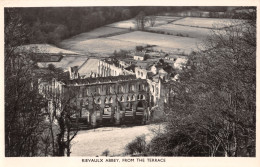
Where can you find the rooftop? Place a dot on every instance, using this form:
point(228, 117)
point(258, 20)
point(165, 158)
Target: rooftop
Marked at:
point(95, 81)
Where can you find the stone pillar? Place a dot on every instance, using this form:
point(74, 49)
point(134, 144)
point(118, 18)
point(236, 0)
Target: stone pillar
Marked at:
point(94, 119)
point(144, 117)
point(123, 116)
point(117, 112)
point(134, 112)
point(101, 115)
point(88, 117)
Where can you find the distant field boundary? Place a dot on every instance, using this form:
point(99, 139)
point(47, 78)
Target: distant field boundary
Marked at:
point(167, 33)
point(114, 34)
point(118, 27)
point(156, 25)
point(201, 27)
point(175, 20)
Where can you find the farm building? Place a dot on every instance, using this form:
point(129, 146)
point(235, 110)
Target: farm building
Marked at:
point(139, 56)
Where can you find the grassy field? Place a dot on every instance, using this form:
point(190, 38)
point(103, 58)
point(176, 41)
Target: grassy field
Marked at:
point(96, 33)
point(194, 32)
point(206, 22)
point(124, 24)
point(160, 20)
point(95, 142)
point(96, 42)
point(164, 41)
point(105, 40)
point(101, 45)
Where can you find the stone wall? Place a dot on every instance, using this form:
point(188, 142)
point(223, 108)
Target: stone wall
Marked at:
point(113, 100)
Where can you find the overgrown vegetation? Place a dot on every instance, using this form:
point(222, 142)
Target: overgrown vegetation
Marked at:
point(106, 153)
point(137, 146)
point(213, 112)
point(122, 54)
point(139, 48)
point(35, 124)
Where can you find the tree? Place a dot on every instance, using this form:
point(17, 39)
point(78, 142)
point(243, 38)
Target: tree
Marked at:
point(137, 146)
point(234, 54)
point(62, 112)
point(126, 14)
point(213, 110)
point(67, 122)
point(141, 20)
point(30, 125)
point(106, 152)
point(24, 118)
point(152, 20)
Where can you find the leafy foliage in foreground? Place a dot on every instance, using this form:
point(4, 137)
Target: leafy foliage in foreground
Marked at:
point(32, 128)
point(213, 112)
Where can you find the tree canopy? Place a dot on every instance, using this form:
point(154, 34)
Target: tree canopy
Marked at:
point(213, 112)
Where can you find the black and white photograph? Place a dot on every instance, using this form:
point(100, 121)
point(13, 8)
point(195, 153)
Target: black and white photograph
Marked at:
point(129, 84)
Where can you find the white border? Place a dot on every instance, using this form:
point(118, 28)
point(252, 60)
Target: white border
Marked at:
point(72, 161)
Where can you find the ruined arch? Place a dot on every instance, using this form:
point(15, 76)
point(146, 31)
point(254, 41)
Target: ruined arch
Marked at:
point(87, 102)
point(81, 103)
point(98, 101)
point(140, 114)
point(111, 100)
point(122, 98)
point(141, 97)
point(106, 100)
point(129, 106)
point(141, 104)
point(128, 98)
point(133, 98)
point(120, 107)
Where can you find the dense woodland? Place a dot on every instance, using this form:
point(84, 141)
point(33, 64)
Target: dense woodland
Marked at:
point(51, 25)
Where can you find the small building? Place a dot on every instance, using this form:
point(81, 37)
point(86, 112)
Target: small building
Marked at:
point(141, 73)
point(171, 57)
point(141, 56)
